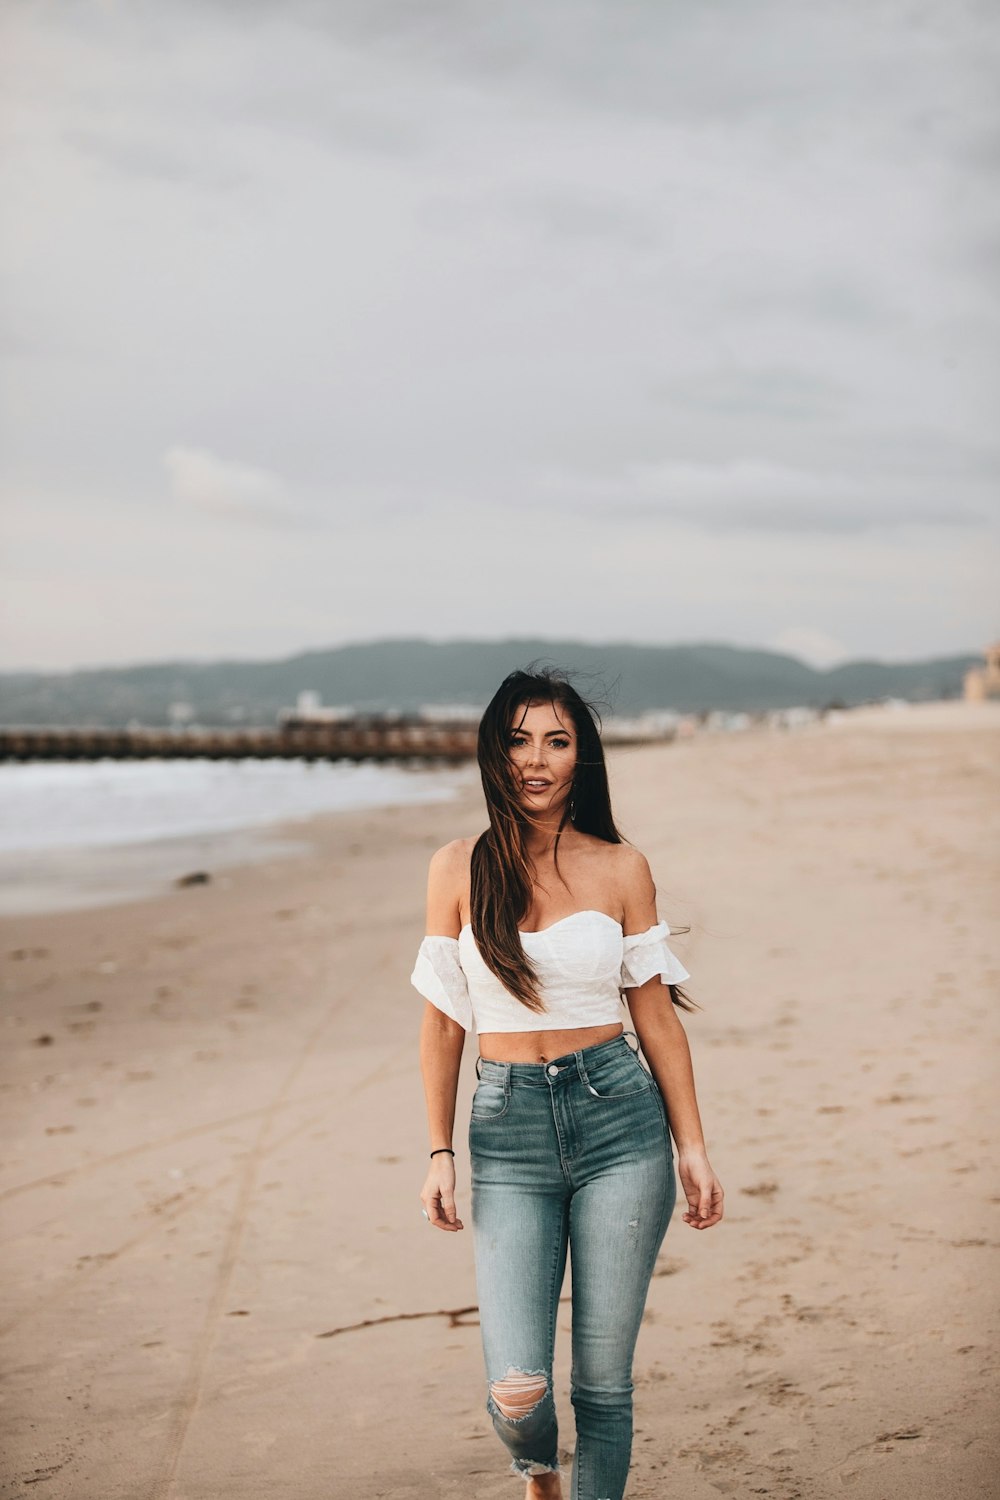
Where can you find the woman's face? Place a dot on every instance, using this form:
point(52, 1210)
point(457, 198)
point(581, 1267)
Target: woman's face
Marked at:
point(542, 749)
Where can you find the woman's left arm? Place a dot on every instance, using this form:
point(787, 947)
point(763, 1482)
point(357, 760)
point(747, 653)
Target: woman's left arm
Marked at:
point(665, 1046)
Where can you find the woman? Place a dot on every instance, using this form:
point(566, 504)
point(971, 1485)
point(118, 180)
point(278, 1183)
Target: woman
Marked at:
point(534, 929)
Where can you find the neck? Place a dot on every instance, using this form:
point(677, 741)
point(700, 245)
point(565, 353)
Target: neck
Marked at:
point(541, 833)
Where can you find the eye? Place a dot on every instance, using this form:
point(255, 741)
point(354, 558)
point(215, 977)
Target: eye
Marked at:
point(560, 744)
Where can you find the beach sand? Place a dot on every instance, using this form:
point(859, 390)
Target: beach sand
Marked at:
point(217, 1279)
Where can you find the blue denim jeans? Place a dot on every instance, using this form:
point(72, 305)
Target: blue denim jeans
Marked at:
point(574, 1154)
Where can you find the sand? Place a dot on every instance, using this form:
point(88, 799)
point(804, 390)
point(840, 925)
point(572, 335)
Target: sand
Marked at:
point(217, 1281)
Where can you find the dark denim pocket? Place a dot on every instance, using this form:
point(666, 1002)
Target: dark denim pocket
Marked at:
point(490, 1100)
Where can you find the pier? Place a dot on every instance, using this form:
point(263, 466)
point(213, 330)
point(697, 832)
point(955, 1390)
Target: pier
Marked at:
point(394, 741)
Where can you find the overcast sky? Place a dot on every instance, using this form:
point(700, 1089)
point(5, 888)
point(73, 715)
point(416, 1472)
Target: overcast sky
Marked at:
point(648, 320)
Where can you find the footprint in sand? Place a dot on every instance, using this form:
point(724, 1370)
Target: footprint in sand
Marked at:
point(885, 1440)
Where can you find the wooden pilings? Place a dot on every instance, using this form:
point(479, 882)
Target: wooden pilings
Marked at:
point(353, 742)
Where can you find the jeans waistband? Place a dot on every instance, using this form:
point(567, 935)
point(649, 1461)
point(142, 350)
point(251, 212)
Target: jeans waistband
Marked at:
point(543, 1075)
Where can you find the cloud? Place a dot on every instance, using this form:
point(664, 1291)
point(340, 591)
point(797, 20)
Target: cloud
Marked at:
point(170, 155)
point(239, 492)
point(758, 495)
point(669, 59)
point(694, 284)
point(785, 393)
point(813, 646)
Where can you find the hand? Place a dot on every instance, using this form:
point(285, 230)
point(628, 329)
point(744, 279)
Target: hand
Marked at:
point(438, 1195)
point(702, 1189)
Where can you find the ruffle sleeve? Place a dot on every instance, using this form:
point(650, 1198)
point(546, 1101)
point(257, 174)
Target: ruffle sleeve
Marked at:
point(440, 978)
point(645, 954)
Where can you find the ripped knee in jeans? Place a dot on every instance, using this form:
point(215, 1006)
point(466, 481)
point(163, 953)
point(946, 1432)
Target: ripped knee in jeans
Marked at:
point(518, 1393)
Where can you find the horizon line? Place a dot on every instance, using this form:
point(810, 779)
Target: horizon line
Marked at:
point(466, 640)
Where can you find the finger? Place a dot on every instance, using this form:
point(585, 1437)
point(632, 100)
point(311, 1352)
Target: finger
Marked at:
point(450, 1211)
point(693, 1199)
point(434, 1211)
point(439, 1216)
point(706, 1217)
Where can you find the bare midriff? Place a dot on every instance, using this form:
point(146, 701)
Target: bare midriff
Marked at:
point(543, 1046)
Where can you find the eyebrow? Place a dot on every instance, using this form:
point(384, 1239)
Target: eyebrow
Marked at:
point(516, 729)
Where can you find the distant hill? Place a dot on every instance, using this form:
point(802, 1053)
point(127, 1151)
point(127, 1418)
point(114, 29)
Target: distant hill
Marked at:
point(404, 674)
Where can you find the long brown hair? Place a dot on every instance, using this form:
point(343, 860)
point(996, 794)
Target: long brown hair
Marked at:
point(502, 885)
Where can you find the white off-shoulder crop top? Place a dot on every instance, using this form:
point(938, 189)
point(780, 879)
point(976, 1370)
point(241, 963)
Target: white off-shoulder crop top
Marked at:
point(583, 962)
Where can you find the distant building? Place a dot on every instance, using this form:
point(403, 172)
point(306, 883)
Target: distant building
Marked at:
point(984, 682)
point(451, 713)
point(654, 724)
point(309, 710)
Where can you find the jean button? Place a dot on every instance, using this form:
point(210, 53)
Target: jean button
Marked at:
point(552, 1070)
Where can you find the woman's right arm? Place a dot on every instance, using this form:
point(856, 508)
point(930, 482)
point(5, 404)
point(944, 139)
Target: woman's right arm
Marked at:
point(441, 1044)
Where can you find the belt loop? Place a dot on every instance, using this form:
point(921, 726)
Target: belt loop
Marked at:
point(581, 1068)
point(479, 1061)
point(636, 1052)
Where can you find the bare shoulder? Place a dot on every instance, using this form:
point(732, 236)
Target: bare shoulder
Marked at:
point(634, 875)
point(447, 882)
point(635, 889)
point(453, 853)
point(451, 862)
point(624, 867)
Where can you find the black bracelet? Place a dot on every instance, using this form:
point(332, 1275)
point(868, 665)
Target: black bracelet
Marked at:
point(443, 1148)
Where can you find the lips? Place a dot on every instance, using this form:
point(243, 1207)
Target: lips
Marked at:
point(535, 785)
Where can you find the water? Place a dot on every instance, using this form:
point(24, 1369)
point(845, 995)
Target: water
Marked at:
point(69, 804)
point(80, 833)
